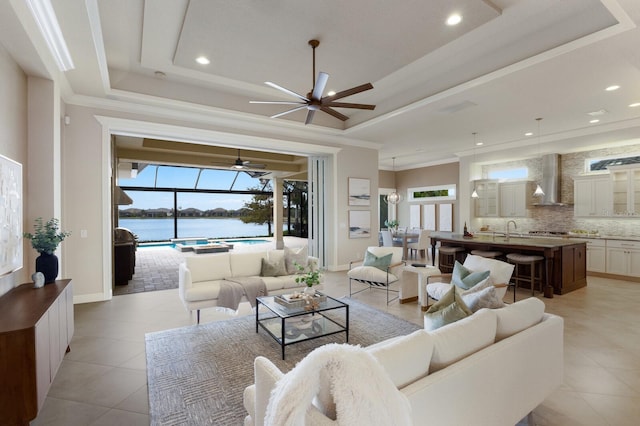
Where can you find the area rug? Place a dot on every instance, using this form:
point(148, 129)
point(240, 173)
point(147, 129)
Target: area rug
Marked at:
point(197, 374)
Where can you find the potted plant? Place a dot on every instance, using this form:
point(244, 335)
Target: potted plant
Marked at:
point(392, 225)
point(308, 277)
point(45, 240)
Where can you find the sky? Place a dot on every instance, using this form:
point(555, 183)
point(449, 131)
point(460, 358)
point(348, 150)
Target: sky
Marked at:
point(181, 177)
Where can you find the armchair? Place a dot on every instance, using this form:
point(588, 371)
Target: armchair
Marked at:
point(380, 276)
point(499, 274)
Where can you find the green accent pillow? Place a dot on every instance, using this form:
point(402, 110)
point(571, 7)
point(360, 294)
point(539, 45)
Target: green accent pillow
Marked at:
point(447, 310)
point(273, 269)
point(464, 278)
point(381, 262)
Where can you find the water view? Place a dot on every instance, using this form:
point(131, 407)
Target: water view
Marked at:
point(161, 229)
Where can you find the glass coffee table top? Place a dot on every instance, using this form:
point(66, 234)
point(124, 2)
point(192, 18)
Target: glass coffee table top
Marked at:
point(289, 325)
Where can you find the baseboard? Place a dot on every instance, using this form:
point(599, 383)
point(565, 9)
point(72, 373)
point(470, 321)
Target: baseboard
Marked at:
point(613, 276)
point(89, 298)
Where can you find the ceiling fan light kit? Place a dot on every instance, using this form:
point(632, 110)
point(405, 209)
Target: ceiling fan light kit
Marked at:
point(314, 101)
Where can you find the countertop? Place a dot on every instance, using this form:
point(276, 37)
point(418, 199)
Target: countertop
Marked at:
point(543, 242)
point(525, 235)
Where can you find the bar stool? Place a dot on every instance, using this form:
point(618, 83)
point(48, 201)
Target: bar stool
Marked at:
point(533, 262)
point(447, 255)
point(487, 254)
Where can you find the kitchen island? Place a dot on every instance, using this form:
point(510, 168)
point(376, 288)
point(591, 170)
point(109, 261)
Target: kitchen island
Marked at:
point(565, 258)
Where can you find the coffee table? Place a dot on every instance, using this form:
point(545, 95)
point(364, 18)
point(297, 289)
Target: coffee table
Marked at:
point(291, 325)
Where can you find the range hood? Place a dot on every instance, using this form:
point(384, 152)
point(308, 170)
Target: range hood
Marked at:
point(550, 181)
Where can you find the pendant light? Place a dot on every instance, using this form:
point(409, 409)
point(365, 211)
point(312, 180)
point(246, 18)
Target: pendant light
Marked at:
point(474, 194)
point(394, 197)
point(538, 192)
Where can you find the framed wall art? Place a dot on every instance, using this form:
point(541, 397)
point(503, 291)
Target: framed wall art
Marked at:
point(10, 215)
point(359, 223)
point(359, 192)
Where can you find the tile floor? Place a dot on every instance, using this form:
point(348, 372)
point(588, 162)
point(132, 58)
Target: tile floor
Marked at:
point(102, 381)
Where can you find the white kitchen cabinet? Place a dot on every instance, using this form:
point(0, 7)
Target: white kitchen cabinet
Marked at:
point(625, 191)
point(623, 258)
point(514, 198)
point(592, 196)
point(596, 255)
point(486, 205)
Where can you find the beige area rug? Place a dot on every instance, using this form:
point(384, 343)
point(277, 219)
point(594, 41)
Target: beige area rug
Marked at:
point(197, 374)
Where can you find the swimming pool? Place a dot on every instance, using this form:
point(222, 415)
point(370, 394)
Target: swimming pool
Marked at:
point(204, 242)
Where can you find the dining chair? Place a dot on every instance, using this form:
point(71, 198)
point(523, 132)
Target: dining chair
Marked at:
point(387, 239)
point(422, 245)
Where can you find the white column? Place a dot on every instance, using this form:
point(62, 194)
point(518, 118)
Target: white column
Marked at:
point(278, 212)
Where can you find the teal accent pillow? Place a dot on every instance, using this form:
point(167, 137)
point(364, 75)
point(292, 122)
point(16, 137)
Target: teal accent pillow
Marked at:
point(381, 262)
point(447, 310)
point(465, 279)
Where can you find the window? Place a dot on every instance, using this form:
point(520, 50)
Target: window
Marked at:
point(600, 164)
point(516, 173)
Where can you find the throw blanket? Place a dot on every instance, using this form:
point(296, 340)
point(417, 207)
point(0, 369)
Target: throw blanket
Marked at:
point(361, 388)
point(232, 289)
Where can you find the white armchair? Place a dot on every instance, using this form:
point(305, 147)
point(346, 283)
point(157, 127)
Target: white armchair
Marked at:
point(380, 276)
point(499, 275)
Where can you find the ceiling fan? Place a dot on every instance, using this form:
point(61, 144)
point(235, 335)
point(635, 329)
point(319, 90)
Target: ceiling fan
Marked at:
point(241, 164)
point(314, 100)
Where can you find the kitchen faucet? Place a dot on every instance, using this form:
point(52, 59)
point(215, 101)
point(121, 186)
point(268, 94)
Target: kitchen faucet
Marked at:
point(515, 226)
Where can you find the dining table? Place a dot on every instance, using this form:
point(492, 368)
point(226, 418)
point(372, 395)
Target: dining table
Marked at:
point(405, 238)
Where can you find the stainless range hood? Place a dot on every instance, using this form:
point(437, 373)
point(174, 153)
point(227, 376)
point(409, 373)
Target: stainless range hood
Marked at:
point(550, 181)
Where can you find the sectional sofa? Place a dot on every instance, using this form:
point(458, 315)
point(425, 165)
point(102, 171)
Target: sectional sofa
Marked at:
point(491, 368)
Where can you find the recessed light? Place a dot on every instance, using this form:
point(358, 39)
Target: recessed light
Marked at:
point(203, 60)
point(612, 88)
point(331, 92)
point(633, 105)
point(594, 121)
point(598, 112)
point(529, 134)
point(479, 143)
point(454, 19)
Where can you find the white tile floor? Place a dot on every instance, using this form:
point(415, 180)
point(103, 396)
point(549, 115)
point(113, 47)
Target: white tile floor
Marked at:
point(102, 381)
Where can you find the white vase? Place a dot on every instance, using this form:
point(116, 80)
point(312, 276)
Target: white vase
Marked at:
point(310, 291)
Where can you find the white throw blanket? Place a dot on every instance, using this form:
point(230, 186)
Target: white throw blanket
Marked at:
point(361, 388)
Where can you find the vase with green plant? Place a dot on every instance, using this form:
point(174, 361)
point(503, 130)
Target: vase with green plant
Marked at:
point(310, 277)
point(45, 239)
point(392, 225)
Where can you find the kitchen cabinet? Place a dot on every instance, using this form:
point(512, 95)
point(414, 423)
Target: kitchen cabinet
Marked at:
point(486, 205)
point(596, 255)
point(515, 198)
point(625, 191)
point(623, 258)
point(36, 326)
point(592, 196)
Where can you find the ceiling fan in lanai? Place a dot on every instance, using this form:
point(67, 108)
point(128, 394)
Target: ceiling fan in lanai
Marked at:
point(314, 100)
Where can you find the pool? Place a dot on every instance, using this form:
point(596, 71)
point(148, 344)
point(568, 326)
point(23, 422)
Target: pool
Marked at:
point(187, 242)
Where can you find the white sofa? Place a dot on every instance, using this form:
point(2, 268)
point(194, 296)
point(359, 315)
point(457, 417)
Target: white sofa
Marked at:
point(491, 368)
point(200, 277)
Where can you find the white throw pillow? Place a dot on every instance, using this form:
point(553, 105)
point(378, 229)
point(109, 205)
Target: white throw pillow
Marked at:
point(247, 264)
point(293, 256)
point(438, 290)
point(209, 267)
point(371, 273)
point(518, 316)
point(484, 298)
point(406, 359)
point(462, 338)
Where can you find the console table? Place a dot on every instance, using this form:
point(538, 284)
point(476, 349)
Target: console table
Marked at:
point(36, 326)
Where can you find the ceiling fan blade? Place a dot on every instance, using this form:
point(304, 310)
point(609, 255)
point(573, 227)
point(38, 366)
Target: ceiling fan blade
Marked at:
point(349, 92)
point(348, 105)
point(255, 166)
point(321, 83)
point(282, 89)
point(289, 111)
point(276, 102)
point(335, 113)
point(310, 115)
